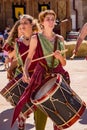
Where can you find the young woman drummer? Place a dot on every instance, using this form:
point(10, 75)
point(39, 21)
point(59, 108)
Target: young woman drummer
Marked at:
point(18, 46)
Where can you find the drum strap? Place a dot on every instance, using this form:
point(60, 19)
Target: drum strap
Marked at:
point(55, 47)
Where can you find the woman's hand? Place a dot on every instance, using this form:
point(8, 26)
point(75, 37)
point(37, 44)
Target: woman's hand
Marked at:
point(26, 78)
point(10, 74)
point(57, 54)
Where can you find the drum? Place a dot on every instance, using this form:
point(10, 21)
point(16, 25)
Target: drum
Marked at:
point(58, 101)
point(13, 91)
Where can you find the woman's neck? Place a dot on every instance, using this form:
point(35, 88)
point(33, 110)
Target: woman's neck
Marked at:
point(28, 35)
point(49, 35)
point(27, 38)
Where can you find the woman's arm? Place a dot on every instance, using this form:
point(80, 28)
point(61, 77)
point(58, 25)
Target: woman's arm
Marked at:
point(81, 37)
point(28, 61)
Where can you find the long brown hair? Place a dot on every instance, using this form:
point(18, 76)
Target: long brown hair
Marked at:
point(13, 33)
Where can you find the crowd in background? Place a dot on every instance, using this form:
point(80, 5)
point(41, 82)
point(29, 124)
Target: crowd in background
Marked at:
point(3, 36)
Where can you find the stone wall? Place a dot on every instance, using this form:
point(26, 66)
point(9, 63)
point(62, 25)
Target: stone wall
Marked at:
point(6, 14)
point(81, 8)
point(84, 5)
point(31, 7)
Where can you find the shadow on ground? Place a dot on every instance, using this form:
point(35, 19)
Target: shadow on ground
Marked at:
point(83, 119)
point(6, 118)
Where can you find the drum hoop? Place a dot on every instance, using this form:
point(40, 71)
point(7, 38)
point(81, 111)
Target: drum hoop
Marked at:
point(46, 95)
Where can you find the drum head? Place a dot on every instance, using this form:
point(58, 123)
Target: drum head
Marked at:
point(45, 91)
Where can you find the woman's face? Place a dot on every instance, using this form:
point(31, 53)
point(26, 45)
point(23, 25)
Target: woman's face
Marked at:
point(26, 25)
point(49, 22)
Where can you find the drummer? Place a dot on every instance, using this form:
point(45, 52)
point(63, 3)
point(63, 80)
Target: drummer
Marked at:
point(30, 27)
point(43, 44)
point(18, 46)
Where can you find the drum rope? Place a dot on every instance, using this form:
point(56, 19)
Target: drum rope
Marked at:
point(7, 89)
point(67, 103)
point(56, 113)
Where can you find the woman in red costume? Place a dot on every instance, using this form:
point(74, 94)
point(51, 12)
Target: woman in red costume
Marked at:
point(17, 46)
point(21, 51)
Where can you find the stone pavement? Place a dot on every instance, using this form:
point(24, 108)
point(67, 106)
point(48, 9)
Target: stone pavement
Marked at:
point(78, 74)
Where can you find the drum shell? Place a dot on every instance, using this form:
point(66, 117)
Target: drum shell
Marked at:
point(60, 102)
point(13, 91)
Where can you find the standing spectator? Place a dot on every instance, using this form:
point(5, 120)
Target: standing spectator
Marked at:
point(1, 45)
point(6, 32)
point(1, 42)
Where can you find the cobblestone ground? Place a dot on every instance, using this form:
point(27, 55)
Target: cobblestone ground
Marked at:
point(78, 73)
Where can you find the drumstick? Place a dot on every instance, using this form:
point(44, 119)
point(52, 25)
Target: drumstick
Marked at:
point(24, 53)
point(72, 57)
point(21, 55)
point(62, 52)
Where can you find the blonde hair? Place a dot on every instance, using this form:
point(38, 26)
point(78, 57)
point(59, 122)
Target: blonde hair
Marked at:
point(43, 14)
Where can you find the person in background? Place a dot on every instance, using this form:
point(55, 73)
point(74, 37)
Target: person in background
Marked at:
point(43, 44)
point(81, 37)
point(1, 42)
point(1, 45)
point(6, 32)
